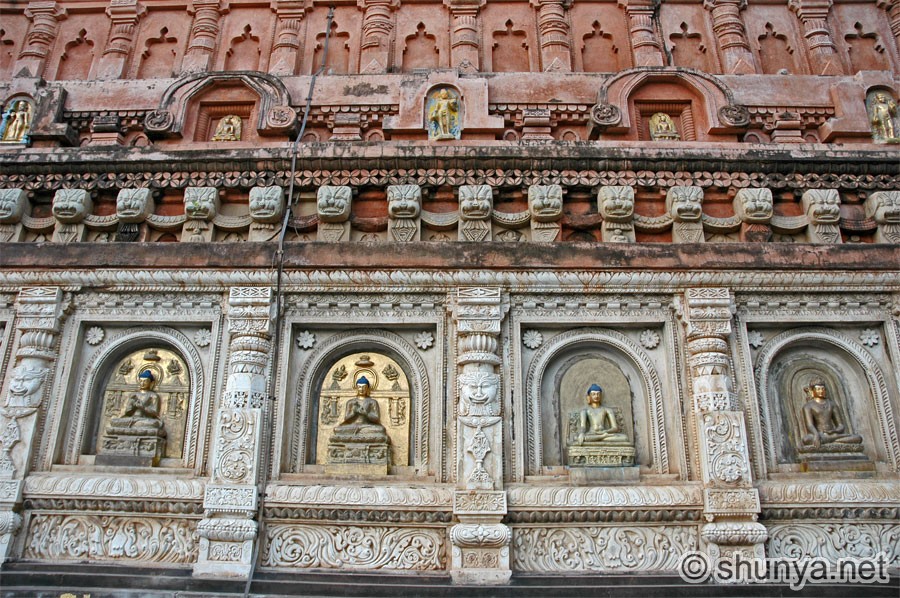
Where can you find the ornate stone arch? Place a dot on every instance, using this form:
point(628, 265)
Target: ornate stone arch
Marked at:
point(275, 113)
point(587, 337)
point(345, 343)
point(118, 346)
point(612, 113)
point(869, 366)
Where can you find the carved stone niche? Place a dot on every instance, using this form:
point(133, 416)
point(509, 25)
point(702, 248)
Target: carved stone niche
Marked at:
point(564, 395)
point(848, 414)
point(362, 414)
point(140, 413)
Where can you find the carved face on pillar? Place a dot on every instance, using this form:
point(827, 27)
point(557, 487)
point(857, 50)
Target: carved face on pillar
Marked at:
point(478, 393)
point(883, 206)
point(333, 203)
point(403, 201)
point(201, 203)
point(823, 206)
point(616, 203)
point(133, 205)
point(475, 202)
point(71, 205)
point(266, 204)
point(12, 205)
point(24, 385)
point(545, 202)
point(685, 203)
point(754, 206)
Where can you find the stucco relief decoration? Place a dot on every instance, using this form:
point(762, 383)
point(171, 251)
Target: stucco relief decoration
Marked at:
point(306, 340)
point(606, 115)
point(649, 339)
point(734, 115)
point(443, 108)
point(94, 335)
point(203, 337)
point(756, 339)
point(424, 340)
point(12, 208)
point(725, 447)
point(870, 337)
point(106, 538)
point(333, 210)
point(532, 339)
point(16, 122)
point(158, 121)
point(607, 549)
point(476, 203)
point(884, 208)
point(70, 207)
point(833, 541)
point(235, 445)
point(352, 547)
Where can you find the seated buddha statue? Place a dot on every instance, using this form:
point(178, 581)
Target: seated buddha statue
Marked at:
point(821, 419)
point(141, 412)
point(362, 418)
point(597, 424)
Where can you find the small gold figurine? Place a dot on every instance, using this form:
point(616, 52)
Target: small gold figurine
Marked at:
point(228, 129)
point(662, 127)
point(822, 423)
point(882, 111)
point(443, 115)
point(17, 120)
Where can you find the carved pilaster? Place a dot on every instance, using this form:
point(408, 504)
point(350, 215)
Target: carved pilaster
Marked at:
point(39, 314)
point(124, 15)
point(286, 50)
point(480, 541)
point(228, 529)
point(730, 502)
point(204, 36)
point(45, 17)
point(464, 40)
point(644, 38)
point(377, 30)
point(813, 15)
point(892, 7)
point(556, 54)
point(732, 36)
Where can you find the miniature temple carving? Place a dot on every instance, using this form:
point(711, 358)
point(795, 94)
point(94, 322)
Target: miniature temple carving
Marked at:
point(595, 436)
point(204, 36)
point(286, 49)
point(377, 33)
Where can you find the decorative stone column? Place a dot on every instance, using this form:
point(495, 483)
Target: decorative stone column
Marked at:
point(644, 39)
point(813, 15)
point(480, 542)
point(730, 502)
point(204, 36)
point(737, 58)
point(286, 50)
point(229, 529)
point(39, 312)
point(892, 7)
point(556, 54)
point(45, 18)
point(377, 30)
point(464, 40)
point(124, 15)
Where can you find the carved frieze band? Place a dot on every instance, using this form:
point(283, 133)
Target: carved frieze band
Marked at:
point(833, 541)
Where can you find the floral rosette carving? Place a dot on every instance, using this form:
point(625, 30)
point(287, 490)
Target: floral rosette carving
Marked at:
point(158, 121)
point(733, 115)
point(606, 115)
point(280, 118)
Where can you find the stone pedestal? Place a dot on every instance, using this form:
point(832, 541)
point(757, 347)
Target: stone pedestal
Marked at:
point(600, 456)
point(139, 448)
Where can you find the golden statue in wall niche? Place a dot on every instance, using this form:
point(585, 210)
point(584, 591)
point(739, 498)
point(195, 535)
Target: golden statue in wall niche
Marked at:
point(443, 115)
point(363, 423)
point(16, 123)
point(595, 434)
point(144, 410)
point(663, 127)
point(228, 129)
point(882, 111)
point(822, 422)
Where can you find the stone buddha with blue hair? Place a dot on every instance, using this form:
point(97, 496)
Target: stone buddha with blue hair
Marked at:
point(598, 424)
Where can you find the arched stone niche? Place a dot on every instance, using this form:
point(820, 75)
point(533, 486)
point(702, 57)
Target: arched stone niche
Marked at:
point(854, 381)
point(557, 383)
point(701, 105)
point(112, 373)
point(262, 97)
point(301, 453)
